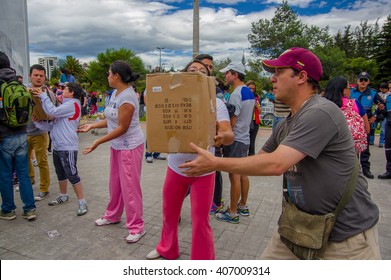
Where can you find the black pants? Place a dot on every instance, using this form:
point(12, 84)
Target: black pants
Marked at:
point(364, 157)
point(253, 134)
point(387, 145)
point(50, 142)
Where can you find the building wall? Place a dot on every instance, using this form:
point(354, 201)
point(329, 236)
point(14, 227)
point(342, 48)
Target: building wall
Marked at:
point(14, 34)
point(49, 63)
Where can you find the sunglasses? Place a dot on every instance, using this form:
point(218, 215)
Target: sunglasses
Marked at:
point(363, 80)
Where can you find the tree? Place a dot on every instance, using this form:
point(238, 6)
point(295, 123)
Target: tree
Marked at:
point(366, 36)
point(353, 66)
point(332, 59)
point(218, 65)
point(383, 51)
point(97, 72)
point(269, 38)
point(346, 42)
point(75, 67)
point(55, 75)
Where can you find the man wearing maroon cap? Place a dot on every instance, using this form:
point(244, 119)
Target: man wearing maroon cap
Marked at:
point(313, 149)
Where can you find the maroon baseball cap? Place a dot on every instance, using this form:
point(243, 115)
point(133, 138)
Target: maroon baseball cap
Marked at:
point(297, 58)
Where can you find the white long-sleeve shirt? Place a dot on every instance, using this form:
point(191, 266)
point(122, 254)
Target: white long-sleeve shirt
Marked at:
point(65, 123)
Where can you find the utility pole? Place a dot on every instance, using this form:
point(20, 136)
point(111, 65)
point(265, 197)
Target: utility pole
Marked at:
point(196, 28)
point(160, 58)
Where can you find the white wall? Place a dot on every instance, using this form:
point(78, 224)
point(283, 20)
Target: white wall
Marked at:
point(14, 35)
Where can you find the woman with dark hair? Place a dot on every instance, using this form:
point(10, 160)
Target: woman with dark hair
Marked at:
point(337, 90)
point(126, 152)
point(176, 186)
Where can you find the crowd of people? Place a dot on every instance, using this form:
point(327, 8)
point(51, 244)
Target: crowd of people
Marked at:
point(304, 152)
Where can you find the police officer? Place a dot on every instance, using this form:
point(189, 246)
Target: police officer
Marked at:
point(367, 97)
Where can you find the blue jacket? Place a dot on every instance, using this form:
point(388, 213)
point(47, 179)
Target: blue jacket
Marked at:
point(367, 98)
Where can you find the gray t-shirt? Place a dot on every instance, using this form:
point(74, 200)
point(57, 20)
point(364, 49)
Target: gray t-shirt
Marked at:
point(243, 100)
point(317, 183)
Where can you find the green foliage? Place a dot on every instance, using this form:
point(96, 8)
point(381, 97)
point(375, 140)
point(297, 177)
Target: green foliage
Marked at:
point(76, 68)
point(218, 65)
point(55, 74)
point(270, 38)
point(353, 66)
point(365, 37)
point(383, 51)
point(349, 52)
point(98, 69)
point(332, 59)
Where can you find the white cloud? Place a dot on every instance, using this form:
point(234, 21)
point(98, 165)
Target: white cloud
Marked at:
point(293, 3)
point(226, 2)
point(85, 28)
point(352, 15)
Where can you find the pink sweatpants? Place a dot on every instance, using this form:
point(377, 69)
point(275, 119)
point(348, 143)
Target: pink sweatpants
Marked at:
point(125, 188)
point(201, 196)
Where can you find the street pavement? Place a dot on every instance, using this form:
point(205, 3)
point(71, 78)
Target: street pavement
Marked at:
point(79, 239)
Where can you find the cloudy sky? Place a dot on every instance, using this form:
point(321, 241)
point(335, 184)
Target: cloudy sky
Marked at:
point(84, 28)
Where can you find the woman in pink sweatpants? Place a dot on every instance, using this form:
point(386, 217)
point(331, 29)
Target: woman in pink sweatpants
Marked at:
point(176, 186)
point(126, 152)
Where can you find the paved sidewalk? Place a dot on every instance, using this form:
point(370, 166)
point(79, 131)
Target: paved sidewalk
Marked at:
point(81, 239)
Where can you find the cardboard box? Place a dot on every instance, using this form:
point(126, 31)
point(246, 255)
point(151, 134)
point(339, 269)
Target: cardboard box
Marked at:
point(38, 110)
point(181, 108)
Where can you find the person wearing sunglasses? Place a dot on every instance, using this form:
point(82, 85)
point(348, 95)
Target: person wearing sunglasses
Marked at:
point(367, 97)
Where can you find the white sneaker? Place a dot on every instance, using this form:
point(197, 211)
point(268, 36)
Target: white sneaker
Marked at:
point(153, 255)
point(133, 238)
point(104, 222)
point(149, 159)
point(35, 163)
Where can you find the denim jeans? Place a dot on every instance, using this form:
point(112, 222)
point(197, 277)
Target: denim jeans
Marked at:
point(13, 155)
point(155, 155)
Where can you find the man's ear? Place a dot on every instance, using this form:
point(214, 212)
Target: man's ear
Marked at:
point(303, 76)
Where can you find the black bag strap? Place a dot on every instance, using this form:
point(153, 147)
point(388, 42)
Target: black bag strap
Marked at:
point(351, 186)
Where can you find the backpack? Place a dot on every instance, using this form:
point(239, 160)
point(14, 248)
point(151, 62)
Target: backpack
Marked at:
point(356, 126)
point(17, 104)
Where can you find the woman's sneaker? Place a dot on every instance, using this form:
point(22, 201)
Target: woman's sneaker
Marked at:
point(226, 216)
point(104, 222)
point(153, 255)
point(243, 210)
point(216, 208)
point(134, 237)
point(60, 199)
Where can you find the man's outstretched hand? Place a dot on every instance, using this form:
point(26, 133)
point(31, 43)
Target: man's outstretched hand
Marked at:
point(204, 163)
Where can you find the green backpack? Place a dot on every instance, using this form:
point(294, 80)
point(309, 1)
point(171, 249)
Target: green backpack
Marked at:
point(17, 104)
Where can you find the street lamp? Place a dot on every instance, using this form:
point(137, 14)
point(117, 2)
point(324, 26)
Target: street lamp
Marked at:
point(160, 58)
